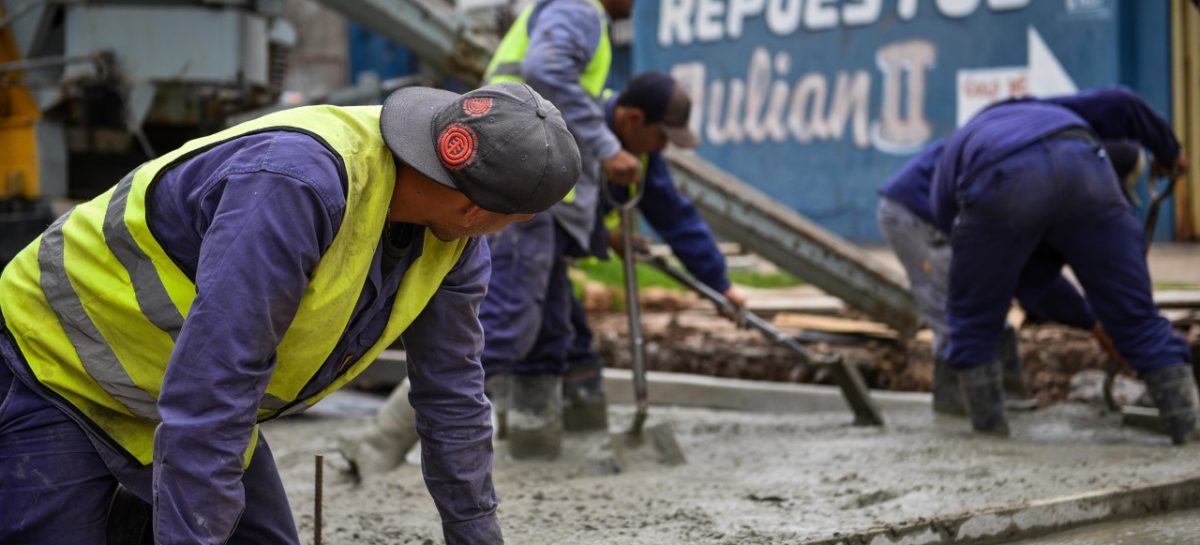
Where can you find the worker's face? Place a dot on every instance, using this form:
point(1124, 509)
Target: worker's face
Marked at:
point(473, 221)
point(639, 137)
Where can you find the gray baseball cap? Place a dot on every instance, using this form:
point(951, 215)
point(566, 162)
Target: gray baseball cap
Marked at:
point(503, 145)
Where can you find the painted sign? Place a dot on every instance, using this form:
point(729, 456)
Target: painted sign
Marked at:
point(818, 102)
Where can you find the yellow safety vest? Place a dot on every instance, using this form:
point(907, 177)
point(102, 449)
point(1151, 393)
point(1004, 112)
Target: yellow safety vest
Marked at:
point(95, 304)
point(506, 62)
point(612, 220)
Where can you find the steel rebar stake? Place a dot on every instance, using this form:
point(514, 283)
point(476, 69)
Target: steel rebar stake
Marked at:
point(320, 477)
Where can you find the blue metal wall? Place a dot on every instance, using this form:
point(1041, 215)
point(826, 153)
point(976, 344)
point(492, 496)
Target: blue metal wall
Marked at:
point(370, 52)
point(817, 102)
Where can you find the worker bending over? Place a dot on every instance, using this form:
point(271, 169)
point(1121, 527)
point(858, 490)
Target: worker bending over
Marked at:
point(1029, 174)
point(906, 220)
point(247, 275)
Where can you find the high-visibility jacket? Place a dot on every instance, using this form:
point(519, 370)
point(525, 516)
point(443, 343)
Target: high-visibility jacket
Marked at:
point(95, 304)
point(506, 62)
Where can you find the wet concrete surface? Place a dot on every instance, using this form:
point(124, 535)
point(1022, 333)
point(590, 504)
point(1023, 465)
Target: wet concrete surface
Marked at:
point(1181, 528)
point(750, 478)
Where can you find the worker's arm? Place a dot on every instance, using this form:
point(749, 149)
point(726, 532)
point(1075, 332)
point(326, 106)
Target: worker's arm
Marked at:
point(263, 233)
point(676, 220)
point(444, 345)
point(562, 41)
point(1118, 113)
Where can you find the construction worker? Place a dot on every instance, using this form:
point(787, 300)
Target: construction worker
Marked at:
point(562, 49)
point(245, 276)
point(923, 250)
point(650, 111)
point(1029, 174)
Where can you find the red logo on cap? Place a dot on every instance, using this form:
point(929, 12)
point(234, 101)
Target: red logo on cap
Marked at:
point(456, 146)
point(476, 107)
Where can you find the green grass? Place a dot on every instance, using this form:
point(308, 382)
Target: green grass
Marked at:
point(764, 280)
point(1176, 286)
point(610, 273)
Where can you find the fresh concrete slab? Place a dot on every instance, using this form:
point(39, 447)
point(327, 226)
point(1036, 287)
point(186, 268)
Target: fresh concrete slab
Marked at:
point(767, 478)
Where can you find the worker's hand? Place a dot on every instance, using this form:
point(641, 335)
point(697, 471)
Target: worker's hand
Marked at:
point(736, 297)
point(1179, 168)
point(618, 244)
point(622, 168)
point(1106, 343)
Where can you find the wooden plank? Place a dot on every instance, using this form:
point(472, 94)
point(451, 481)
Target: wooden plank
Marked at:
point(830, 324)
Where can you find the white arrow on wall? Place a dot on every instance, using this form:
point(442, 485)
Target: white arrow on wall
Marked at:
point(1043, 75)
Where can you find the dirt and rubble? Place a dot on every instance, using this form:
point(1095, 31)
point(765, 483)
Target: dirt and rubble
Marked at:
point(683, 335)
point(750, 478)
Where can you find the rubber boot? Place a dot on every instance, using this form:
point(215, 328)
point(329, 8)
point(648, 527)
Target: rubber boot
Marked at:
point(1007, 350)
point(497, 388)
point(386, 444)
point(947, 399)
point(585, 407)
point(1173, 390)
point(535, 425)
point(983, 390)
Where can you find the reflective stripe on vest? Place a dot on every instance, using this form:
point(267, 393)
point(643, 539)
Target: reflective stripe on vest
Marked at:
point(506, 63)
point(95, 304)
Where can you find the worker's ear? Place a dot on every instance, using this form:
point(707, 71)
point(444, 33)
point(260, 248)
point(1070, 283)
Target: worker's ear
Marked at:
point(471, 215)
point(637, 117)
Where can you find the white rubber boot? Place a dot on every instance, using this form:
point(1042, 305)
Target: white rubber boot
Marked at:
point(384, 447)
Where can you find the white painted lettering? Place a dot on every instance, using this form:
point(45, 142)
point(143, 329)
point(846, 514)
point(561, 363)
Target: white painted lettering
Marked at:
point(709, 27)
point(775, 123)
point(737, 13)
point(691, 77)
point(904, 66)
point(783, 16)
point(1006, 5)
point(861, 12)
point(758, 81)
point(674, 22)
point(806, 119)
point(957, 9)
point(820, 15)
point(907, 9)
point(851, 96)
point(716, 131)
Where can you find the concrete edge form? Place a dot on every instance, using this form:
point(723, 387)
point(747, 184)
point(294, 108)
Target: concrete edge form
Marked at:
point(686, 390)
point(1036, 518)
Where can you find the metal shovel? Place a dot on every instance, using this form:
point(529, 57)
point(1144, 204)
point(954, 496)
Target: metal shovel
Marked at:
point(845, 374)
point(655, 442)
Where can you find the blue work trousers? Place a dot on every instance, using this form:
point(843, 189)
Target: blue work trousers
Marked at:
point(55, 487)
point(526, 314)
point(581, 358)
point(1060, 192)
